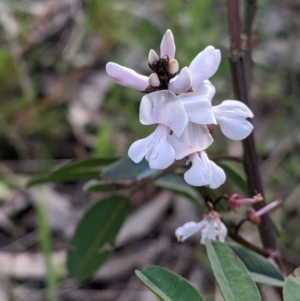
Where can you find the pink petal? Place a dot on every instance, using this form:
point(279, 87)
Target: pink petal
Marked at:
point(195, 138)
point(204, 65)
point(182, 82)
point(163, 107)
point(167, 46)
point(127, 77)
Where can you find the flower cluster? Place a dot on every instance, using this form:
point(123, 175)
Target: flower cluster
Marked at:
point(180, 104)
point(210, 227)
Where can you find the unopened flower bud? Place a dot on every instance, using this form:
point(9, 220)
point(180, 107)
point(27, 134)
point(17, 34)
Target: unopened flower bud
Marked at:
point(152, 57)
point(253, 217)
point(234, 201)
point(268, 208)
point(173, 67)
point(154, 80)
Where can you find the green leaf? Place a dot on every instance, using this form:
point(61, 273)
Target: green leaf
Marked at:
point(261, 270)
point(232, 276)
point(235, 177)
point(95, 233)
point(126, 170)
point(259, 278)
point(73, 171)
point(291, 289)
point(95, 186)
point(177, 184)
point(168, 286)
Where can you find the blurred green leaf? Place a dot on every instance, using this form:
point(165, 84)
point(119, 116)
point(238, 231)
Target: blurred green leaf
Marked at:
point(232, 276)
point(73, 171)
point(177, 184)
point(261, 270)
point(291, 289)
point(126, 170)
point(235, 177)
point(45, 246)
point(95, 186)
point(95, 233)
point(168, 286)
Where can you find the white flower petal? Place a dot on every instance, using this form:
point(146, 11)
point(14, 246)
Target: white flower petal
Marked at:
point(162, 156)
point(231, 116)
point(163, 107)
point(155, 148)
point(199, 173)
point(222, 231)
point(139, 148)
point(198, 104)
point(188, 229)
point(218, 175)
point(212, 230)
point(127, 77)
point(167, 46)
point(205, 233)
point(233, 109)
point(195, 138)
point(182, 82)
point(235, 129)
point(204, 65)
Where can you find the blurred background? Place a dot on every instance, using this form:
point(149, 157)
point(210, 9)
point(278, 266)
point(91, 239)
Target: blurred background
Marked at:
point(57, 104)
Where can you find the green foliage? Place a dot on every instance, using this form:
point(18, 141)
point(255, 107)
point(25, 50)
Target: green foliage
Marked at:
point(92, 241)
point(177, 184)
point(45, 245)
point(168, 286)
point(95, 186)
point(232, 276)
point(291, 289)
point(73, 171)
point(235, 177)
point(261, 270)
point(125, 170)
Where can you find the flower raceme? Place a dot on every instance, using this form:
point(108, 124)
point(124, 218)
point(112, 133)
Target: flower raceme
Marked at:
point(180, 103)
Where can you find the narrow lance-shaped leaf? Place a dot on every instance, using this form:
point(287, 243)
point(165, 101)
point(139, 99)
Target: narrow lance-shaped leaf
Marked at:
point(232, 276)
point(73, 171)
point(168, 286)
point(95, 233)
point(261, 270)
point(96, 186)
